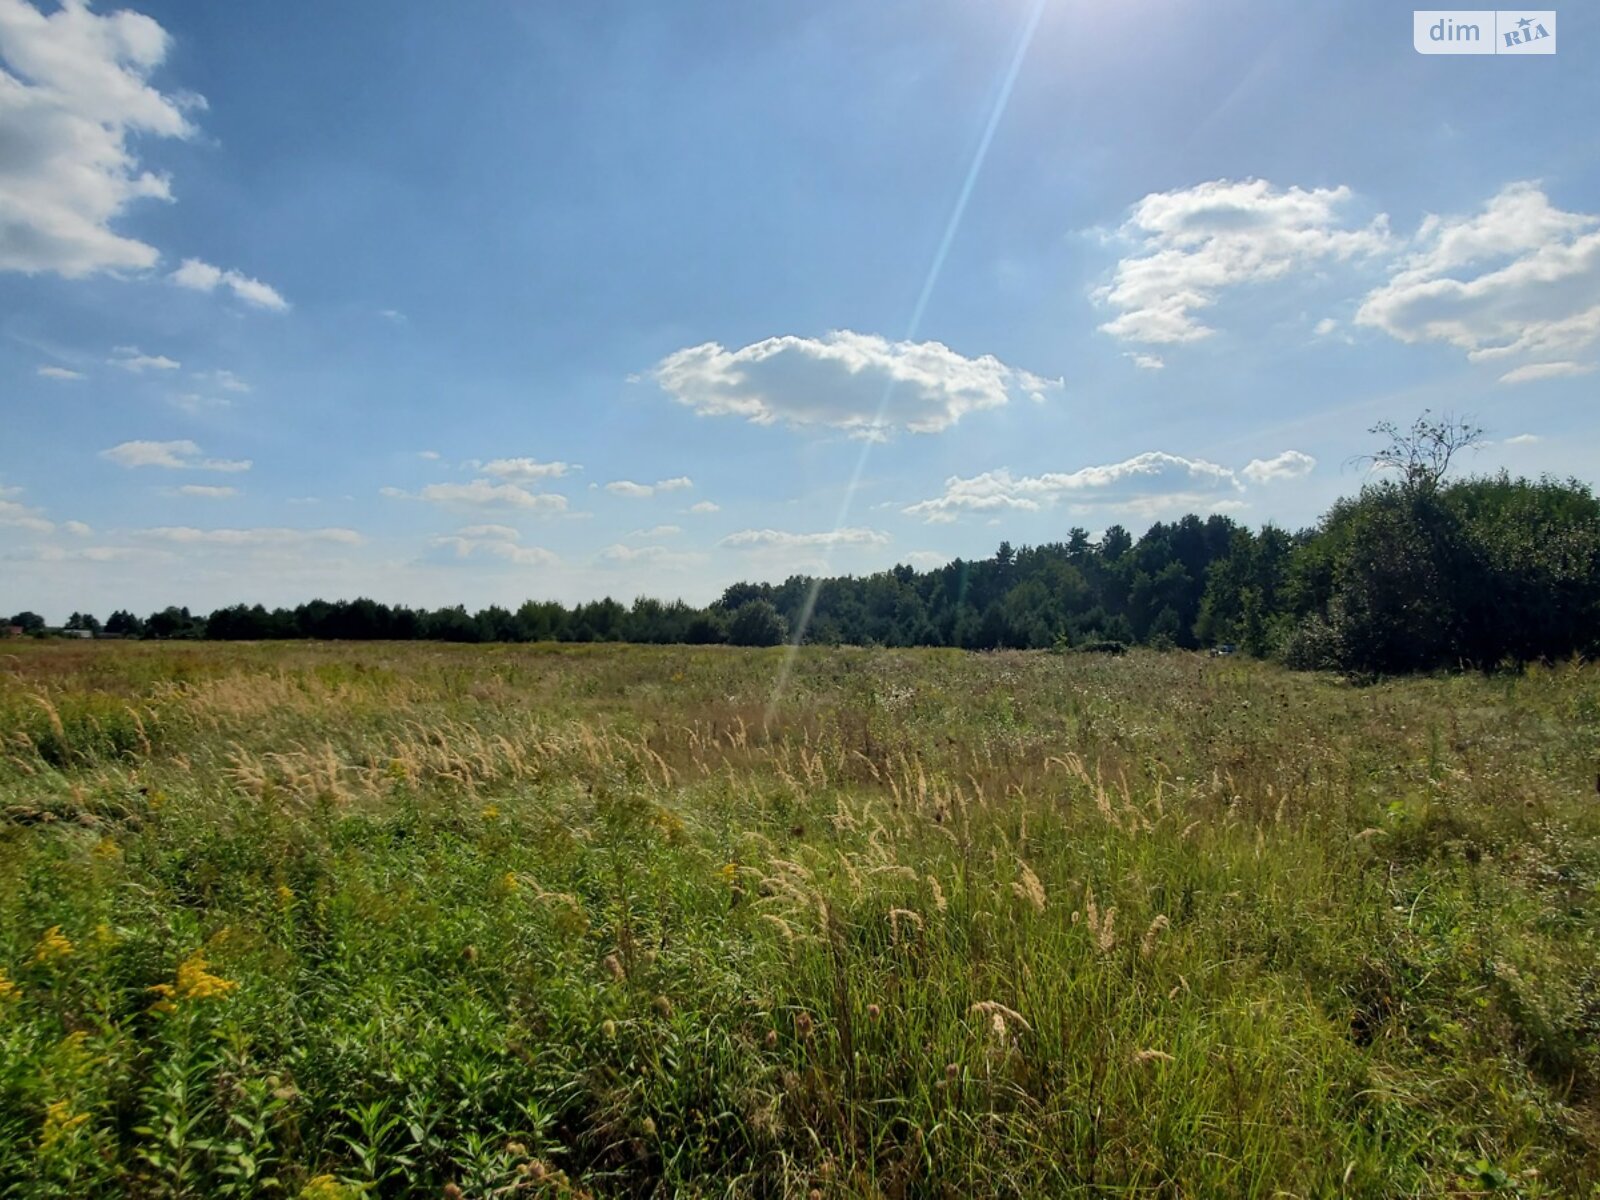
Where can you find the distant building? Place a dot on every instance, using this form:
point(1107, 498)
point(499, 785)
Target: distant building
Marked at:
point(10, 631)
point(74, 633)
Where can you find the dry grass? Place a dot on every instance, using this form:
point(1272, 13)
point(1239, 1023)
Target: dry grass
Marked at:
point(317, 918)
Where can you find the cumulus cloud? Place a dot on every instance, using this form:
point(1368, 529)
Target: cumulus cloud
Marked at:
point(76, 104)
point(841, 380)
point(77, 528)
point(705, 506)
point(248, 539)
point(130, 358)
point(59, 373)
point(226, 380)
point(493, 542)
point(207, 491)
point(525, 470)
point(656, 556)
point(1291, 464)
point(16, 515)
point(1144, 484)
point(1196, 242)
point(484, 493)
point(200, 276)
point(1547, 370)
point(1520, 278)
point(765, 539)
point(74, 96)
point(1523, 439)
point(641, 491)
point(1146, 362)
point(657, 531)
point(174, 456)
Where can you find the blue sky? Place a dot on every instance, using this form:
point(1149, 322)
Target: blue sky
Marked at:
point(442, 304)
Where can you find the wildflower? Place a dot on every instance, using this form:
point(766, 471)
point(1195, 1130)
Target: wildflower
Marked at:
point(608, 1030)
point(328, 1187)
point(491, 812)
point(194, 982)
point(104, 937)
point(802, 1024)
point(59, 1123)
point(509, 881)
point(53, 946)
point(285, 895)
point(874, 1013)
point(649, 1127)
point(106, 849)
point(614, 968)
point(730, 872)
point(771, 1040)
point(663, 1006)
point(8, 990)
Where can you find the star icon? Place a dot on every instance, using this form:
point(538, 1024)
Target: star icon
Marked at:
point(1524, 23)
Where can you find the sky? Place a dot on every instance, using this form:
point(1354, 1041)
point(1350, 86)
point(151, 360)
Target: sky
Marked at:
point(442, 303)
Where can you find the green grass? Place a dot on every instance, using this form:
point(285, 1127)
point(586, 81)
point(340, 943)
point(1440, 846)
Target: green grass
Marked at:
point(607, 921)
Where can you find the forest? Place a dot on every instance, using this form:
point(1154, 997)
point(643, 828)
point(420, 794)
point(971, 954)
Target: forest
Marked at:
point(1416, 572)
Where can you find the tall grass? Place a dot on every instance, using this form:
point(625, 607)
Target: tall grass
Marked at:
point(327, 920)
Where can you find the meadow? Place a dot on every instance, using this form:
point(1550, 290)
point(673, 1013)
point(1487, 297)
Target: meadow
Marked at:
point(334, 920)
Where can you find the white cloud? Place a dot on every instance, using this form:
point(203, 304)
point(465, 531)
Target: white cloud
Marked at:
point(178, 455)
point(1523, 439)
point(1195, 242)
point(676, 484)
point(626, 487)
point(493, 541)
point(484, 493)
point(77, 528)
point(392, 314)
point(194, 402)
point(429, 455)
point(1291, 464)
point(1146, 362)
point(525, 470)
point(1144, 484)
point(841, 380)
point(1520, 277)
point(206, 491)
point(15, 515)
point(926, 559)
point(174, 456)
point(657, 531)
point(656, 556)
point(129, 358)
point(705, 506)
point(251, 538)
point(1325, 326)
point(502, 533)
point(760, 539)
point(226, 380)
point(59, 373)
point(201, 276)
point(74, 98)
point(1547, 370)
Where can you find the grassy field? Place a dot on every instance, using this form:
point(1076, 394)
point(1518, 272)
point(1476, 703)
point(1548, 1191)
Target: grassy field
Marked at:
point(335, 920)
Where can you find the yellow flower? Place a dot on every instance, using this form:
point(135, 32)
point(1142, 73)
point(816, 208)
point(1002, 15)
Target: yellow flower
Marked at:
point(8, 990)
point(195, 982)
point(326, 1187)
point(52, 946)
point(509, 881)
point(107, 848)
point(491, 812)
point(59, 1123)
point(103, 937)
point(730, 872)
point(285, 895)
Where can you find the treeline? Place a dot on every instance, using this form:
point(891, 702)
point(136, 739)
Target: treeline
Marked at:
point(1414, 573)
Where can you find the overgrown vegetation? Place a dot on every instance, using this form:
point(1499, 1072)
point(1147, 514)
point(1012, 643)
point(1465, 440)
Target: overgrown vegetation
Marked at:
point(1415, 573)
point(322, 920)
